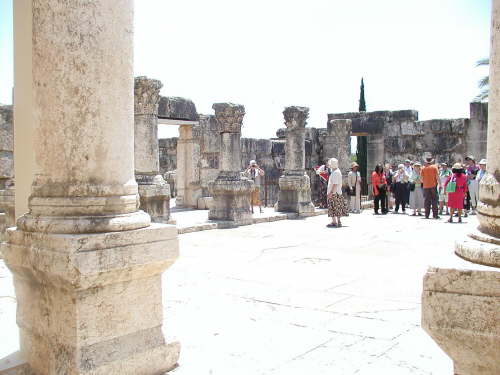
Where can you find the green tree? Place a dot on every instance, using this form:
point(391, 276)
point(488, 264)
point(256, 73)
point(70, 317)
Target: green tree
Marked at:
point(362, 142)
point(484, 83)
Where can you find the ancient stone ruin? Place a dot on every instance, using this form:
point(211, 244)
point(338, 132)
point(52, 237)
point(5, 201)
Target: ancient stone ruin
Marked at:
point(7, 216)
point(230, 191)
point(294, 185)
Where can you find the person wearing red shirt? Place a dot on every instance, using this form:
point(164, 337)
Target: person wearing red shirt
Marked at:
point(379, 185)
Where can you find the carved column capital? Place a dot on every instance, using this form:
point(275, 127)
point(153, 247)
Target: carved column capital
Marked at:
point(229, 117)
point(146, 95)
point(296, 117)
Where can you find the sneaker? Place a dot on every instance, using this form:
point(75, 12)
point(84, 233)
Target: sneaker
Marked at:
point(436, 217)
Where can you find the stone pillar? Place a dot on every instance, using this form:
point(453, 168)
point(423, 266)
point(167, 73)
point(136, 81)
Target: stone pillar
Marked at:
point(476, 132)
point(188, 171)
point(154, 192)
point(230, 192)
point(295, 188)
point(6, 168)
point(338, 143)
point(87, 263)
point(460, 306)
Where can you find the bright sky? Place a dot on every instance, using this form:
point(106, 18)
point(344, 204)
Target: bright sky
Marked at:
point(268, 54)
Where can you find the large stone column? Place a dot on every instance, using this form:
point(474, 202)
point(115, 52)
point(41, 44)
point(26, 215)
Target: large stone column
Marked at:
point(154, 192)
point(86, 262)
point(188, 171)
point(460, 306)
point(230, 192)
point(338, 143)
point(295, 188)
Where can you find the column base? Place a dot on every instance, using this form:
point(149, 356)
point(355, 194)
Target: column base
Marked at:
point(294, 194)
point(231, 201)
point(92, 303)
point(460, 312)
point(155, 200)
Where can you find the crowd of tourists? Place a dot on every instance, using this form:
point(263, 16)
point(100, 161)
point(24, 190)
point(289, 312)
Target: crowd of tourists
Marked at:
point(439, 189)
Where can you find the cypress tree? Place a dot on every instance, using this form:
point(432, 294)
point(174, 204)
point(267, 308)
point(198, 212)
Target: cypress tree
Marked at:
point(362, 142)
point(362, 103)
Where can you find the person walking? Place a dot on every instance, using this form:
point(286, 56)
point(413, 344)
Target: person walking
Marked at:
point(416, 192)
point(430, 182)
point(379, 185)
point(354, 182)
point(400, 183)
point(337, 206)
point(456, 187)
point(444, 173)
point(255, 173)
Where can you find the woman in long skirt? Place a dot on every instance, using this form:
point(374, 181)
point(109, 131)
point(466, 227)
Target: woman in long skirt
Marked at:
point(456, 193)
point(337, 205)
point(417, 194)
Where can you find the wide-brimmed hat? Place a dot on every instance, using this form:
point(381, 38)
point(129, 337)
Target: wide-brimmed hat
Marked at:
point(417, 164)
point(354, 164)
point(429, 160)
point(407, 161)
point(457, 166)
point(252, 162)
point(482, 162)
point(401, 166)
point(470, 157)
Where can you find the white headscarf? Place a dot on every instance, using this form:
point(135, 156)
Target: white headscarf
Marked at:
point(333, 163)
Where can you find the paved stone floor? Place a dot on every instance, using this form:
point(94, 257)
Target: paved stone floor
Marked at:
point(295, 297)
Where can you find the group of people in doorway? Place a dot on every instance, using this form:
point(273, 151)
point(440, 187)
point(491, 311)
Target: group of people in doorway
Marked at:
point(429, 188)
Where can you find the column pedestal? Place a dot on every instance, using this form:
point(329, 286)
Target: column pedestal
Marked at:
point(91, 303)
point(154, 194)
point(231, 201)
point(294, 194)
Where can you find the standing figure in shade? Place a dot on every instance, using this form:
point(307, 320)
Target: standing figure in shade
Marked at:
point(354, 182)
point(481, 173)
point(337, 206)
point(400, 186)
point(430, 182)
point(388, 178)
point(255, 173)
point(456, 187)
point(379, 185)
point(416, 191)
point(472, 184)
point(408, 169)
point(444, 173)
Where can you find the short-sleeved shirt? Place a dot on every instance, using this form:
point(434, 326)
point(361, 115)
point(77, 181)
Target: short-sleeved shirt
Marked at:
point(430, 175)
point(335, 178)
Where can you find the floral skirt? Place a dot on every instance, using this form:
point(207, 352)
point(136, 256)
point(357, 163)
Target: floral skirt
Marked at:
point(337, 206)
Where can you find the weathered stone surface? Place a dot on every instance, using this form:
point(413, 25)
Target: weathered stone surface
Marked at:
point(146, 151)
point(295, 188)
point(230, 192)
point(177, 108)
point(188, 168)
point(460, 311)
point(6, 142)
point(338, 143)
point(146, 95)
point(477, 130)
point(86, 261)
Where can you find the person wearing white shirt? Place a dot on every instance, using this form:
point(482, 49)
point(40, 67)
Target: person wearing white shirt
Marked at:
point(337, 206)
point(354, 182)
point(400, 180)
